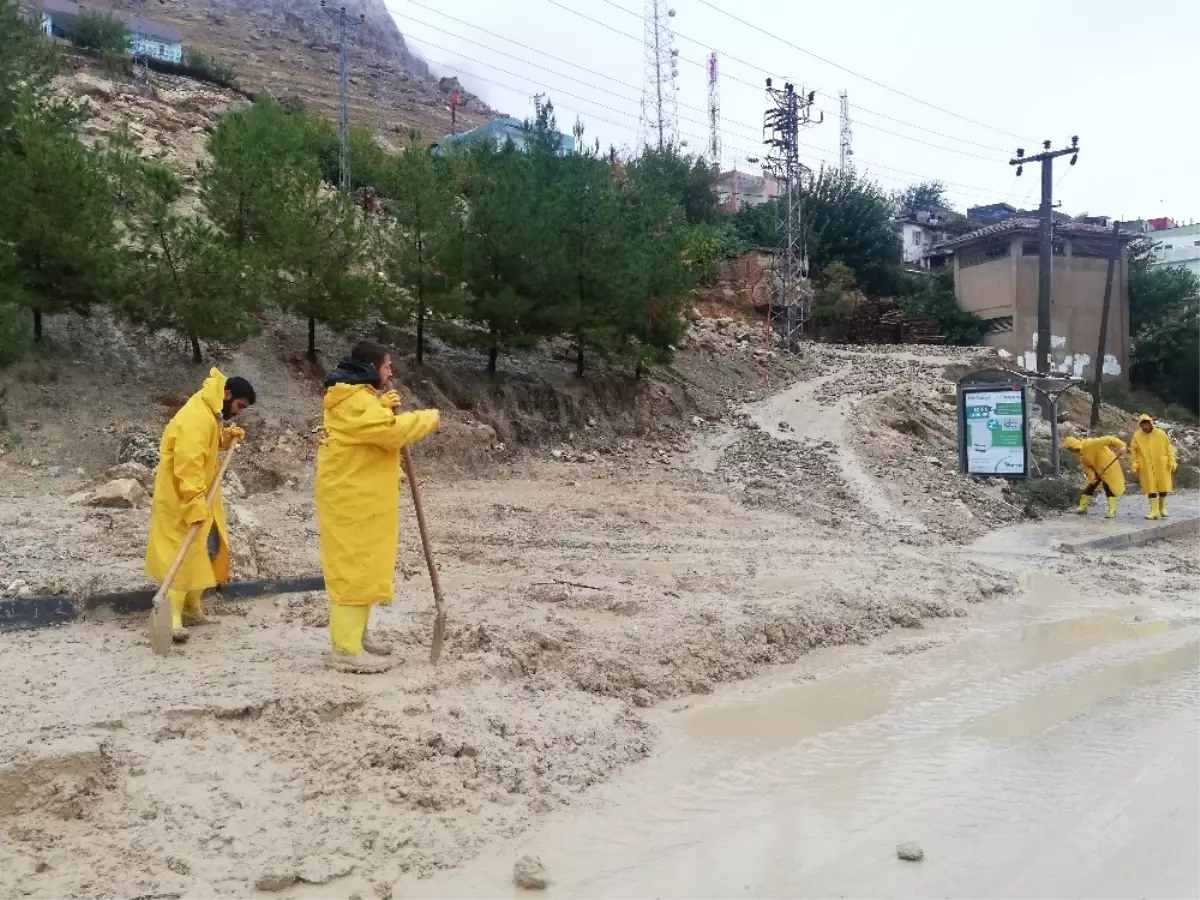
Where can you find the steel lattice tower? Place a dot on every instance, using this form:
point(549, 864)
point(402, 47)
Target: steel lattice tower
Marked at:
point(714, 114)
point(844, 149)
point(790, 302)
point(660, 110)
point(347, 25)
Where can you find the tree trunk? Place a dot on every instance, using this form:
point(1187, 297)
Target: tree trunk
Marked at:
point(493, 355)
point(312, 339)
point(420, 333)
point(37, 325)
point(578, 358)
point(196, 357)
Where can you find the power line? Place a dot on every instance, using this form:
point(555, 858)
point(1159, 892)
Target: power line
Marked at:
point(632, 37)
point(757, 87)
point(767, 72)
point(848, 71)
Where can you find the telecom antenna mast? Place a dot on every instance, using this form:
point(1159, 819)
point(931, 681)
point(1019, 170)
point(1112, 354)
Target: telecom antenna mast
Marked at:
point(714, 114)
point(347, 25)
point(660, 110)
point(790, 299)
point(844, 149)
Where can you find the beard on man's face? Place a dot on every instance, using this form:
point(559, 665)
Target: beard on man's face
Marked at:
point(227, 410)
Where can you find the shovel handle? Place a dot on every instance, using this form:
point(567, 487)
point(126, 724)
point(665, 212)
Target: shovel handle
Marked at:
point(422, 527)
point(169, 579)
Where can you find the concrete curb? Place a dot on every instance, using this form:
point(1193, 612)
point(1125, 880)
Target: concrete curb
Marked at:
point(1135, 538)
point(46, 612)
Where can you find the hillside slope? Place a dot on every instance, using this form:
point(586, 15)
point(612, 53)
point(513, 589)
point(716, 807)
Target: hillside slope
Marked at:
point(289, 48)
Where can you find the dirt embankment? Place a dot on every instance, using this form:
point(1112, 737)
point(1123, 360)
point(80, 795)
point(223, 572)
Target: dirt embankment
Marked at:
point(604, 545)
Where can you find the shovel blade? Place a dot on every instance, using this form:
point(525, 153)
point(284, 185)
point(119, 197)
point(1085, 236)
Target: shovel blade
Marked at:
point(160, 627)
point(439, 636)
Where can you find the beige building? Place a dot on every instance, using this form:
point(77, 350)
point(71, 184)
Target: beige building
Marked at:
point(996, 277)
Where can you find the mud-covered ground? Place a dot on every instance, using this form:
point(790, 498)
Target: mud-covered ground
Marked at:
point(606, 567)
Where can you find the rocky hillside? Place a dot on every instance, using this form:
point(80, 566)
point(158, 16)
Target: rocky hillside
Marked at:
point(289, 48)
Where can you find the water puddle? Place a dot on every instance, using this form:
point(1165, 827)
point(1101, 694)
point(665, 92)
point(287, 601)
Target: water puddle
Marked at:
point(1062, 730)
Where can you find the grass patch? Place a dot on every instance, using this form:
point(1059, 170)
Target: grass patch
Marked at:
point(1136, 401)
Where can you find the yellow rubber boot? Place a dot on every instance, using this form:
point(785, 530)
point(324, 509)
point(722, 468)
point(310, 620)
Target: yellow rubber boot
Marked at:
point(1112, 508)
point(1154, 509)
point(178, 601)
point(1162, 506)
point(347, 625)
point(1085, 500)
point(193, 610)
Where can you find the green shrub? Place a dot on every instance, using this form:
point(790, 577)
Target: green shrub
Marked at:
point(933, 300)
point(209, 68)
point(100, 33)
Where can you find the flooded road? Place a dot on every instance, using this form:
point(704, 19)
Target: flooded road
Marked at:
point(1047, 748)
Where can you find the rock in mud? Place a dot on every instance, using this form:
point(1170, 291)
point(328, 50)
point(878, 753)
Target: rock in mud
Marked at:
point(910, 851)
point(529, 873)
point(322, 870)
point(276, 878)
point(123, 493)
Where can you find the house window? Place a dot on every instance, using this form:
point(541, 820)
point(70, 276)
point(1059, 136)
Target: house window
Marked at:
point(917, 238)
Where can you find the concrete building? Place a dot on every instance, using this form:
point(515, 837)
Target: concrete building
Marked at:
point(146, 37)
point(920, 233)
point(737, 189)
point(498, 132)
point(1178, 245)
point(996, 277)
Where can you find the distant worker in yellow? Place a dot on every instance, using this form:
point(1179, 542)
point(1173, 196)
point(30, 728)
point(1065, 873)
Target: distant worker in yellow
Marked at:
point(358, 496)
point(188, 459)
point(1152, 459)
point(1099, 458)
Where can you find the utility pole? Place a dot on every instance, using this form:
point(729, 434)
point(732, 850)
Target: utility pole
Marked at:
point(345, 25)
point(788, 312)
point(845, 134)
point(1098, 365)
point(714, 114)
point(1046, 243)
point(660, 108)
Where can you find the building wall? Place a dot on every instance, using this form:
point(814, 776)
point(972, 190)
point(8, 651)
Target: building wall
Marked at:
point(1180, 247)
point(1077, 292)
point(144, 45)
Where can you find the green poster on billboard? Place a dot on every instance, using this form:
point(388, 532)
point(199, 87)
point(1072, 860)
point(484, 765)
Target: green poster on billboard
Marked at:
point(994, 430)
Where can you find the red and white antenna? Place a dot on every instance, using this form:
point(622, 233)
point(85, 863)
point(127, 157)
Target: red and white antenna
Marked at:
point(714, 113)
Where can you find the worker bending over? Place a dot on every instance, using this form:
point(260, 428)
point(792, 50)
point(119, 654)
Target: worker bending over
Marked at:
point(1099, 458)
point(188, 460)
point(1152, 459)
point(358, 485)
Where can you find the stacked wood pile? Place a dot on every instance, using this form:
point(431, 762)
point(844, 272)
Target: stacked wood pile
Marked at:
point(884, 322)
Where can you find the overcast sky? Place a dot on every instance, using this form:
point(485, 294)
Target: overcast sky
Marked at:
point(1124, 77)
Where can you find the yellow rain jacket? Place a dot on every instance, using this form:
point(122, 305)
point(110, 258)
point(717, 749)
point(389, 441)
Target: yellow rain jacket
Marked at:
point(188, 459)
point(358, 484)
point(1097, 458)
point(1152, 459)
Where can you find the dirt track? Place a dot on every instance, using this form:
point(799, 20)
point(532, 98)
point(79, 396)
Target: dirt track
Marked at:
point(579, 593)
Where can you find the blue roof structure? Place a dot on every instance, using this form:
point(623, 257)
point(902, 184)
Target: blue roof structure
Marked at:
point(498, 131)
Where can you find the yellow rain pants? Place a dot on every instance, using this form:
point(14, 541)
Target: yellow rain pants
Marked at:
point(1152, 459)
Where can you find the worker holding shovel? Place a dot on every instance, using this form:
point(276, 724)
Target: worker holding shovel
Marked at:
point(1153, 462)
point(188, 472)
point(357, 489)
point(1099, 459)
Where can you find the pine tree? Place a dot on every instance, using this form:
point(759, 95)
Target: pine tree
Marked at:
point(58, 220)
point(592, 252)
point(179, 272)
point(501, 252)
point(321, 247)
point(419, 239)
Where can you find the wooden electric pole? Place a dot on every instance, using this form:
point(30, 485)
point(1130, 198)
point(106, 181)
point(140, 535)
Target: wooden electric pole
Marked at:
point(1098, 365)
point(1046, 242)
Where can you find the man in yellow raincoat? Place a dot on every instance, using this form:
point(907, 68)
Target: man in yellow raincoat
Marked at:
point(358, 485)
point(188, 459)
point(1152, 459)
point(1099, 458)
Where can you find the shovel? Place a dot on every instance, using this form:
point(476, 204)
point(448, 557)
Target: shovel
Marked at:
point(439, 619)
point(160, 615)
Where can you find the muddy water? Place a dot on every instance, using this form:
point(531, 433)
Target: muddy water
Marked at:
point(1047, 750)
